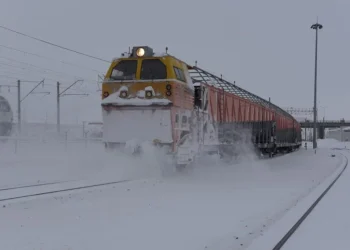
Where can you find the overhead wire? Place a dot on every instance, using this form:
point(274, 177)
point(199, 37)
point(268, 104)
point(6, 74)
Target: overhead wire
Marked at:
point(24, 75)
point(59, 73)
point(55, 45)
point(14, 75)
point(35, 66)
point(40, 72)
point(40, 56)
point(48, 58)
point(14, 84)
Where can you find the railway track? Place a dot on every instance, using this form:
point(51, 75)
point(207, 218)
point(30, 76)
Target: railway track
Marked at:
point(33, 185)
point(293, 229)
point(72, 188)
point(58, 190)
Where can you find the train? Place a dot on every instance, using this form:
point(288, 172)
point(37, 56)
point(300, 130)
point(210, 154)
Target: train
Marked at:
point(156, 97)
point(6, 117)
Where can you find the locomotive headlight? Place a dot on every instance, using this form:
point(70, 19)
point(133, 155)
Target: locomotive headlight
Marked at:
point(140, 52)
point(148, 93)
point(123, 93)
point(168, 87)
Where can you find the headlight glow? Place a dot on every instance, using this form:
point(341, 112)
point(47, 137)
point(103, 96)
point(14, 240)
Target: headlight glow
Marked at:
point(140, 52)
point(123, 94)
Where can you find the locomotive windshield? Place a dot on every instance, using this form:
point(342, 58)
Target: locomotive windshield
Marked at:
point(125, 70)
point(153, 69)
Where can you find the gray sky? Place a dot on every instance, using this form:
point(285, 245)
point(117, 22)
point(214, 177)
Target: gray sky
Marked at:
point(267, 47)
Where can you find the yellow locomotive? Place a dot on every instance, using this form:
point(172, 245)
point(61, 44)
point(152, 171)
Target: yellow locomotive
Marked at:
point(146, 97)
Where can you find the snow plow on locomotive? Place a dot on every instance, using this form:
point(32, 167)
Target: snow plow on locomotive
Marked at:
point(159, 99)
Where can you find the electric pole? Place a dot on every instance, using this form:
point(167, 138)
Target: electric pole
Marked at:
point(58, 107)
point(19, 105)
point(316, 27)
point(58, 101)
point(30, 92)
point(19, 100)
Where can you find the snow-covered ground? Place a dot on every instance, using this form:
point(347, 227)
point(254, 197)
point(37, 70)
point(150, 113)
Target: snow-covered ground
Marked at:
point(328, 225)
point(213, 205)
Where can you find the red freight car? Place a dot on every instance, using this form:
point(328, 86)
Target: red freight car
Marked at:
point(232, 108)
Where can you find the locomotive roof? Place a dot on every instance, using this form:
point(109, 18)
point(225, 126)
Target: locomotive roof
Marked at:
point(201, 76)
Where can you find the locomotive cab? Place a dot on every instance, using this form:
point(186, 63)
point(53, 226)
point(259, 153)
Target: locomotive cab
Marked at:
point(145, 94)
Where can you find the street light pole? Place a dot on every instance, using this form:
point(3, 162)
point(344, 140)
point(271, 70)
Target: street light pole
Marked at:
point(316, 27)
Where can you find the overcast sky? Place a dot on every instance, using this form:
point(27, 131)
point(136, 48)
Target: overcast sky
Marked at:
point(267, 47)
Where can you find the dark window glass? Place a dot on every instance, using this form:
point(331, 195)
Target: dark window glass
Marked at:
point(179, 74)
point(153, 69)
point(176, 73)
point(125, 70)
point(198, 96)
point(182, 75)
